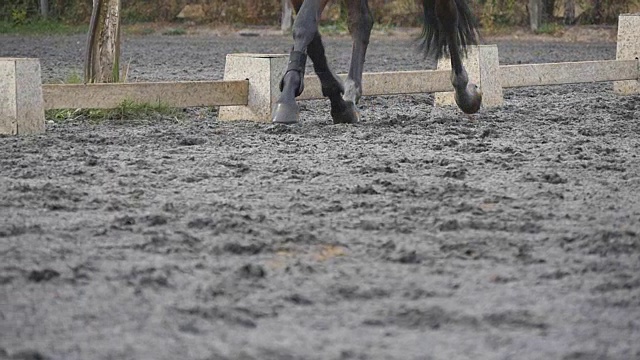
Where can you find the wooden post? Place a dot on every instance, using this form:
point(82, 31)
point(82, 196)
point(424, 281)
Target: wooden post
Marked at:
point(44, 8)
point(535, 14)
point(102, 62)
point(287, 16)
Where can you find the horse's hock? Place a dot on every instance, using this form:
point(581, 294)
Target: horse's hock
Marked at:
point(21, 102)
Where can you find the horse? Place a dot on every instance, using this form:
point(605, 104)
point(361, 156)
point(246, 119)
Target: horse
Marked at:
point(449, 27)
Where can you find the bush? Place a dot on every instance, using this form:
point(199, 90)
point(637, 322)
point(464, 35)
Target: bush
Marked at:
point(500, 13)
point(492, 13)
point(605, 12)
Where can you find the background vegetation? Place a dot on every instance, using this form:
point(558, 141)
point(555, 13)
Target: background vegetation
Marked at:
point(493, 13)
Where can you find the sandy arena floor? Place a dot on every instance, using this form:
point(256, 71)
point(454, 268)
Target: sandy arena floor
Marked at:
point(416, 234)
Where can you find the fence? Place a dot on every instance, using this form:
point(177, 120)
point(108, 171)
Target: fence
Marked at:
point(250, 85)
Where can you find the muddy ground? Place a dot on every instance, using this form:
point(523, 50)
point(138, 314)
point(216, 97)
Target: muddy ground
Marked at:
point(416, 234)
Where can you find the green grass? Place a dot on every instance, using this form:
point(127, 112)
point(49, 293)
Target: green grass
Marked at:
point(126, 111)
point(334, 28)
point(138, 30)
point(129, 111)
point(549, 28)
point(384, 28)
point(175, 32)
point(74, 78)
point(41, 27)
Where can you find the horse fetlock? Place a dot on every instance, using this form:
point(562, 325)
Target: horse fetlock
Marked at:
point(460, 80)
point(331, 91)
point(352, 96)
point(469, 100)
point(352, 92)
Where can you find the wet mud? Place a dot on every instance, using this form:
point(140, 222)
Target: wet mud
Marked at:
point(419, 233)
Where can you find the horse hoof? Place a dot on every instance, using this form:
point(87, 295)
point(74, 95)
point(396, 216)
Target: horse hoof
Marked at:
point(470, 103)
point(286, 113)
point(350, 114)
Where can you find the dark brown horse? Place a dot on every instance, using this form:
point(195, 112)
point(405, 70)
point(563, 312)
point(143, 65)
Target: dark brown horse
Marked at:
point(449, 27)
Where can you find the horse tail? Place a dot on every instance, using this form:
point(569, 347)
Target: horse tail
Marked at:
point(435, 36)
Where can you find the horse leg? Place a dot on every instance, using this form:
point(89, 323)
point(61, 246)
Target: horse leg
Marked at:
point(360, 25)
point(467, 95)
point(332, 88)
point(343, 98)
point(305, 30)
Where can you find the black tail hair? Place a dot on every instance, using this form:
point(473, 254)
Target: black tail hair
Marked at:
point(434, 38)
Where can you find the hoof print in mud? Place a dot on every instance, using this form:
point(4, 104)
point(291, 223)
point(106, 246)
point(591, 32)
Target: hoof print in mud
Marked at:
point(252, 271)
point(282, 128)
point(191, 141)
point(299, 299)
point(42, 275)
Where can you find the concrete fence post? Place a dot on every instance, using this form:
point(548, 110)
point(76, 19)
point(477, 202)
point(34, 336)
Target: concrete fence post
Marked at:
point(483, 68)
point(264, 72)
point(628, 48)
point(21, 102)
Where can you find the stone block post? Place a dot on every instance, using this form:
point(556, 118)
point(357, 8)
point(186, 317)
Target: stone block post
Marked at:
point(264, 73)
point(628, 49)
point(21, 102)
point(483, 68)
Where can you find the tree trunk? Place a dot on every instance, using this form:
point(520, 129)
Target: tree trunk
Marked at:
point(569, 12)
point(287, 14)
point(102, 62)
point(535, 14)
point(547, 10)
point(44, 8)
point(597, 12)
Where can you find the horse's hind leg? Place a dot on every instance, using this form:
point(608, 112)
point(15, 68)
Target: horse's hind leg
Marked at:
point(344, 98)
point(455, 20)
point(360, 25)
point(331, 87)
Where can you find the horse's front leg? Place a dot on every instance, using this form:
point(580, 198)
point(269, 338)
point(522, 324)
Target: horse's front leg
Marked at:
point(360, 25)
point(305, 28)
point(467, 95)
